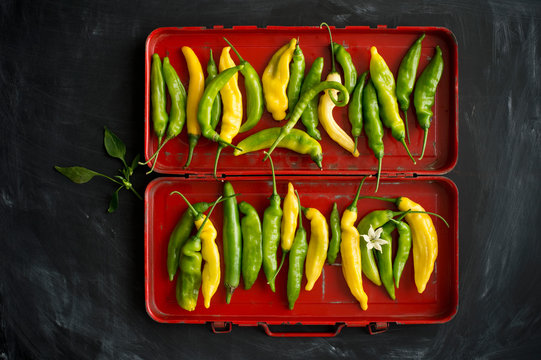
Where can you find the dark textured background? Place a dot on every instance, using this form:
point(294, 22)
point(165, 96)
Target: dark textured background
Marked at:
point(71, 275)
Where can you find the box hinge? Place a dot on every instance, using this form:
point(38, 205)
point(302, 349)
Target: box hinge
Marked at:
point(377, 327)
point(399, 175)
point(221, 327)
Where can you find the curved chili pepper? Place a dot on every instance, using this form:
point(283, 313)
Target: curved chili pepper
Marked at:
point(424, 96)
point(272, 220)
point(252, 249)
point(212, 72)
point(296, 70)
point(317, 246)
point(177, 114)
point(403, 248)
point(334, 245)
point(232, 242)
point(405, 79)
point(355, 109)
point(351, 252)
point(211, 256)
point(275, 79)
point(297, 256)
point(190, 277)
point(309, 116)
point(158, 97)
point(373, 127)
point(297, 140)
point(255, 103)
point(301, 106)
point(232, 105)
point(196, 87)
point(289, 222)
point(326, 106)
point(178, 237)
point(383, 81)
point(204, 113)
point(348, 68)
point(385, 259)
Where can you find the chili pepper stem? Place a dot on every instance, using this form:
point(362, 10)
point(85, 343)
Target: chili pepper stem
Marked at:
point(379, 173)
point(406, 126)
point(274, 190)
point(284, 253)
point(356, 139)
point(218, 152)
point(192, 141)
point(190, 206)
point(198, 233)
point(408, 150)
point(333, 68)
point(424, 144)
point(353, 206)
point(235, 50)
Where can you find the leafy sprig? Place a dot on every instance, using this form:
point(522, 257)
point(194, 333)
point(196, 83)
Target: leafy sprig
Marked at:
point(117, 149)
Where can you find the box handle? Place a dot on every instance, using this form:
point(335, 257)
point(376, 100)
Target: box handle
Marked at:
point(337, 329)
point(221, 327)
point(377, 327)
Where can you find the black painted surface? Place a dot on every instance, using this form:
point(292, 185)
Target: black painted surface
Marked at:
point(71, 275)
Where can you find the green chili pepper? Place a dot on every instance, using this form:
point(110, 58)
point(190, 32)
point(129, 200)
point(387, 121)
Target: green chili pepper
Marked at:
point(296, 76)
point(424, 95)
point(372, 124)
point(178, 237)
point(297, 256)
point(177, 114)
point(405, 79)
point(216, 112)
point(355, 108)
point(252, 251)
point(232, 242)
point(383, 81)
point(204, 113)
point(385, 260)
point(272, 221)
point(297, 140)
point(403, 248)
point(254, 93)
point(348, 68)
point(301, 106)
point(309, 116)
point(189, 279)
point(158, 98)
point(336, 234)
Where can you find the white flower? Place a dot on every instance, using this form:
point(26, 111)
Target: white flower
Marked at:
point(372, 239)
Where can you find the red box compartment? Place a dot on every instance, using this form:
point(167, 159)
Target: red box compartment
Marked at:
point(330, 302)
point(257, 45)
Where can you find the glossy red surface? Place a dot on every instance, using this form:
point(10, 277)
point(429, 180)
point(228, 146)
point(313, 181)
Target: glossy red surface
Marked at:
point(257, 45)
point(330, 302)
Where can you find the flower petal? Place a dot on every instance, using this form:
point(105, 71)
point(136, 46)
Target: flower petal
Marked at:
point(366, 238)
point(371, 232)
point(378, 233)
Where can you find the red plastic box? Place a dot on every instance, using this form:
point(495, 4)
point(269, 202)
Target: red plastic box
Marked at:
point(330, 302)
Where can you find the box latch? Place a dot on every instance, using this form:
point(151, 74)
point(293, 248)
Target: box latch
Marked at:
point(377, 327)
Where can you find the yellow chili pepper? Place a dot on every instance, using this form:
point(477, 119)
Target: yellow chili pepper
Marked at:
point(289, 218)
point(317, 247)
point(275, 79)
point(424, 241)
point(196, 87)
point(211, 256)
point(325, 109)
point(232, 104)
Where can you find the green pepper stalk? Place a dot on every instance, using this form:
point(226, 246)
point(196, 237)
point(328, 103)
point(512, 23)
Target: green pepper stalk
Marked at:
point(216, 112)
point(336, 235)
point(177, 115)
point(204, 113)
point(385, 261)
point(189, 280)
point(254, 93)
point(297, 140)
point(272, 222)
point(309, 116)
point(405, 79)
point(355, 109)
point(252, 248)
point(383, 81)
point(424, 95)
point(296, 76)
point(297, 256)
point(232, 242)
point(158, 98)
point(373, 127)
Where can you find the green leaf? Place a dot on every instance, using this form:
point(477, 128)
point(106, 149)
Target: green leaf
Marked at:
point(77, 174)
point(114, 146)
point(134, 163)
point(113, 204)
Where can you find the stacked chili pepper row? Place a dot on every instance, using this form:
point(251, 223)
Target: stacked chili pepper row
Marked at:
point(288, 94)
point(249, 244)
